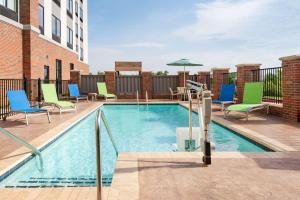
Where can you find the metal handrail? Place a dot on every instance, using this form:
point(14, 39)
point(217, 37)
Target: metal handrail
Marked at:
point(147, 96)
point(137, 97)
point(101, 117)
point(20, 141)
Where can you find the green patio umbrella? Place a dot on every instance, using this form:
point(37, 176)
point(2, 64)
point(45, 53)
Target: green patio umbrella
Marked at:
point(184, 63)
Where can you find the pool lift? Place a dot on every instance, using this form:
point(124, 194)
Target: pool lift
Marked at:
point(101, 118)
point(204, 117)
point(22, 142)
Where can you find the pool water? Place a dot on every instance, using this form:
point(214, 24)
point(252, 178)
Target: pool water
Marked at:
point(70, 160)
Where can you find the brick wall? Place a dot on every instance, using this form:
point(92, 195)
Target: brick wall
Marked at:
point(147, 84)
point(242, 69)
point(291, 87)
point(218, 80)
point(11, 52)
point(110, 80)
point(29, 12)
point(181, 77)
point(39, 52)
point(75, 77)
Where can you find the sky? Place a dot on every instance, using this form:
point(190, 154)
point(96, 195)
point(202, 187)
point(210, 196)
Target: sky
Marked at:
point(215, 33)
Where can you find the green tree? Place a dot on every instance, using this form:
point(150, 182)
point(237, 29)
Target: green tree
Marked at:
point(161, 73)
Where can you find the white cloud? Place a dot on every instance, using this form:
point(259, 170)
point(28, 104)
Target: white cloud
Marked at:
point(143, 45)
point(222, 19)
point(136, 45)
point(224, 33)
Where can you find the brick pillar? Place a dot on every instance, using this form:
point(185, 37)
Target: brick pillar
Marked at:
point(181, 77)
point(218, 80)
point(110, 80)
point(202, 76)
point(242, 70)
point(29, 12)
point(75, 77)
point(147, 84)
point(291, 87)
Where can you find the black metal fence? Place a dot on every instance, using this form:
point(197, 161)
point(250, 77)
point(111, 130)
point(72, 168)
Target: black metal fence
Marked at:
point(32, 88)
point(89, 83)
point(161, 84)
point(272, 80)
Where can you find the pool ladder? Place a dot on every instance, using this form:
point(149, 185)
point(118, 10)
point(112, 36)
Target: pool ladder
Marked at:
point(101, 117)
point(23, 143)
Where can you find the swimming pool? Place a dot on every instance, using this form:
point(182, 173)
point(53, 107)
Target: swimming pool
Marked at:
point(70, 160)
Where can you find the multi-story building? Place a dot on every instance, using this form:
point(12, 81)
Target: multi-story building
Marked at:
point(44, 39)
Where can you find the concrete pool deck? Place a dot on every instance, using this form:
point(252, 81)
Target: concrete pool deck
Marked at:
point(136, 172)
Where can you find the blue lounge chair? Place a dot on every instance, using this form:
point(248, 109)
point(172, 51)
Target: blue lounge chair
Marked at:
point(19, 103)
point(74, 92)
point(226, 95)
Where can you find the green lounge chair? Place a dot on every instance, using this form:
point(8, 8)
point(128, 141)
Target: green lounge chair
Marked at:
point(102, 90)
point(50, 98)
point(252, 100)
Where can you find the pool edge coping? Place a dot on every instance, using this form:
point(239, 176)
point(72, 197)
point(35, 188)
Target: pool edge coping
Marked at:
point(27, 156)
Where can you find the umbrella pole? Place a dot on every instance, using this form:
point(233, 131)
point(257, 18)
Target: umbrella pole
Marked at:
point(183, 76)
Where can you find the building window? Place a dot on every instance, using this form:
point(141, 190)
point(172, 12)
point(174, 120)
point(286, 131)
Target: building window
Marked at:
point(71, 66)
point(69, 38)
point(76, 8)
point(57, 2)
point(9, 9)
point(76, 29)
point(41, 19)
point(56, 29)
point(81, 54)
point(76, 47)
point(81, 14)
point(46, 73)
point(10, 4)
point(70, 8)
point(81, 34)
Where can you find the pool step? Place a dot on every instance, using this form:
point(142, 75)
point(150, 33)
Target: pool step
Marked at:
point(60, 182)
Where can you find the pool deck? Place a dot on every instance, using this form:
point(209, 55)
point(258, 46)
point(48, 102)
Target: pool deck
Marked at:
point(269, 130)
point(232, 175)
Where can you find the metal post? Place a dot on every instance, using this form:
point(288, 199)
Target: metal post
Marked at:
point(98, 157)
point(137, 97)
point(146, 96)
point(39, 91)
point(190, 121)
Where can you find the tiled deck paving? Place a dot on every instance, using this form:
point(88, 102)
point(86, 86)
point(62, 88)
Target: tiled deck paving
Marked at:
point(272, 175)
